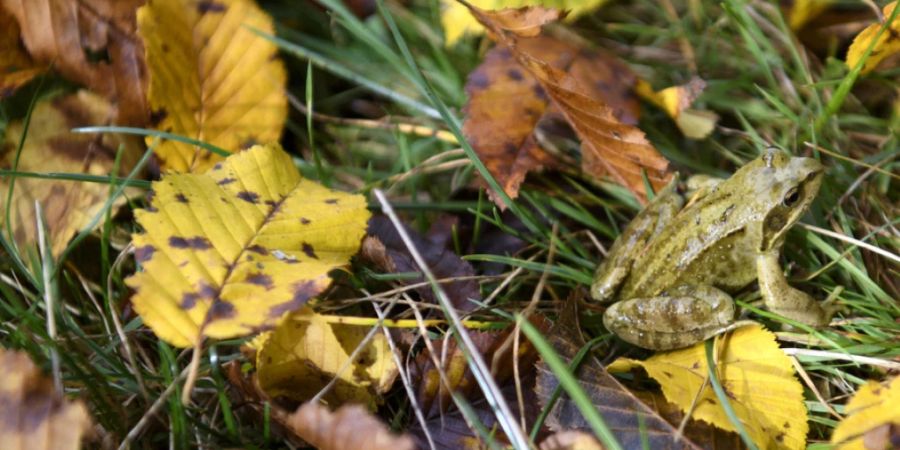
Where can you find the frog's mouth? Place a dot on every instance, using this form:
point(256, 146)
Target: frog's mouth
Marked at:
point(796, 199)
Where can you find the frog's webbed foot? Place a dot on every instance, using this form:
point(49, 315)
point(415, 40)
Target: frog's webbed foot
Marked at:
point(678, 318)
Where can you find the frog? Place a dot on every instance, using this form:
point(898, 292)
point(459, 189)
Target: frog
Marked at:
point(669, 277)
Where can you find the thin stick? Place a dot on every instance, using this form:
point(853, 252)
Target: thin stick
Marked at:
point(853, 241)
point(154, 408)
point(812, 386)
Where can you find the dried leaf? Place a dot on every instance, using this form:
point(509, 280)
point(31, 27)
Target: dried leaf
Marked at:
point(757, 376)
point(385, 248)
point(458, 21)
point(700, 433)
point(305, 352)
point(211, 77)
point(887, 45)
point(873, 419)
point(571, 440)
point(68, 206)
point(608, 146)
point(676, 102)
point(64, 32)
point(350, 427)
point(16, 67)
point(506, 104)
point(229, 252)
point(628, 418)
point(35, 416)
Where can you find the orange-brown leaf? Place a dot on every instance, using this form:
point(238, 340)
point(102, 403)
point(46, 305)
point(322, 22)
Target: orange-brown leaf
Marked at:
point(34, 415)
point(16, 67)
point(526, 21)
point(63, 32)
point(350, 427)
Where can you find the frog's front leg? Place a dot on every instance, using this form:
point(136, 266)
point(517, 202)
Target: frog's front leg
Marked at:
point(677, 318)
point(785, 300)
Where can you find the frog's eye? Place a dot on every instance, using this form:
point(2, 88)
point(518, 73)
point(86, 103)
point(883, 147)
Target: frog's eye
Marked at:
point(790, 199)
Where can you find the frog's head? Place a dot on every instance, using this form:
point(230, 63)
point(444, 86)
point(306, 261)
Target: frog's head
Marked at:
point(785, 186)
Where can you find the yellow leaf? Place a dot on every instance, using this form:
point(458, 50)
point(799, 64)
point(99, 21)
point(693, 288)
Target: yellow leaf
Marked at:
point(229, 252)
point(211, 77)
point(68, 206)
point(757, 376)
point(872, 407)
point(35, 416)
point(804, 11)
point(16, 67)
point(887, 44)
point(458, 22)
point(305, 352)
point(676, 102)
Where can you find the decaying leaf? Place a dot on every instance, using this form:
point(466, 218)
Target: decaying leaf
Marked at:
point(873, 418)
point(231, 251)
point(35, 416)
point(65, 32)
point(887, 45)
point(627, 417)
point(571, 440)
point(699, 432)
point(506, 104)
point(458, 21)
point(608, 146)
point(16, 67)
point(305, 352)
point(676, 102)
point(211, 77)
point(757, 377)
point(385, 248)
point(350, 427)
point(68, 206)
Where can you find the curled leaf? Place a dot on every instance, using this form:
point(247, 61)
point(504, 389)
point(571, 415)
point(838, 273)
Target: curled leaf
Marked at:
point(35, 416)
point(211, 77)
point(351, 427)
point(888, 43)
point(231, 251)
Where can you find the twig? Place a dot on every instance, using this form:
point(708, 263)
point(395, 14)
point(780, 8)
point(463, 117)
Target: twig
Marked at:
point(154, 408)
point(812, 386)
point(853, 241)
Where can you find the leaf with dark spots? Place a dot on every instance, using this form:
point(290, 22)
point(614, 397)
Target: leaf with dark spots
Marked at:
point(384, 248)
point(188, 300)
point(331, 201)
point(250, 197)
point(143, 253)
point(158, 115)
point(207, 6)
point(221, 310)
point(260, 279)
point(258, 249)
point(196, 242)
point(225, 181)
point(181, 198)
point(305, 221)
point(308, 250)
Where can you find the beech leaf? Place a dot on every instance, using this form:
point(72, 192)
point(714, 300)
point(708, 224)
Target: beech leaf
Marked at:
point(756, 375)
point(873, 418)
point(351, 427)
point(887, 44)
point(229, 252)
point(35, 416)
point(211, 77)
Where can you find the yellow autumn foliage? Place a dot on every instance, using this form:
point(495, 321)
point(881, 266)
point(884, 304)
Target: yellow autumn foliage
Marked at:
point(229, 252)
point(888, 43)
point(211, 77)
point(676, 102)
point(874, 407)
point(305, 352)
point(458, 22)
point(756, 375)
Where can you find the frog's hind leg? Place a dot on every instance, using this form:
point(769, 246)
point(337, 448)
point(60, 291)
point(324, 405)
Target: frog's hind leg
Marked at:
point(678, 318)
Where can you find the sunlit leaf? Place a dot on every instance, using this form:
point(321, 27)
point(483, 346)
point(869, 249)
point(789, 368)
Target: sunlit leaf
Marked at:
point(887, 45)
point(33, 415)
point(756, 375)
point(68, 206)
point(305, 352)
point(229, 252)
point(211, 77)
point(871, 415)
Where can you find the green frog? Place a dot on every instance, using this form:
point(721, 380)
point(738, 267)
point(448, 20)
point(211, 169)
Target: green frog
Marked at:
point(672, 270)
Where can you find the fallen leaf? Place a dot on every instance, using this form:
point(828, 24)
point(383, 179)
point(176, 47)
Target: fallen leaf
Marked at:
point(628, 418)
point(305, 352)
point(757, 377)
point(68, 206)
point(35, 416)
point(676, 102)
point(350, 427)
point(608, 146)
point(506, 104)
point(211, 77)
point(887, 44)
point(571, 440)
point(873, 419)
point(229, 252)
point(384, 248)
point(16, 67)
point(458, 21)
point(65, 32)
point(802, 12)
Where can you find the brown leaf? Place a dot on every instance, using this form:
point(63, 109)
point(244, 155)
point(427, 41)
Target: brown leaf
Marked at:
point(351, 427)
point(524, 22)
point(699, 432)
point(34, 415)
point(16, 67)
point(571, 440)
point(64, 32)
point(609, 146)
point(627, 417)
point(385, 249)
